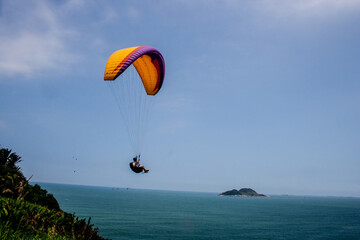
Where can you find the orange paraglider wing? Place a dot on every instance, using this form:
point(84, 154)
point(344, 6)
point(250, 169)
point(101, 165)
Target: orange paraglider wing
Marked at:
point(149, 64)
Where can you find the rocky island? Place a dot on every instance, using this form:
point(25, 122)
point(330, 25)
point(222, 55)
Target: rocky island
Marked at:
point(243, 192)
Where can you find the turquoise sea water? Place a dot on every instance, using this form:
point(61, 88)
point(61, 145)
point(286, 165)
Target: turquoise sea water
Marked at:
point(150, 214)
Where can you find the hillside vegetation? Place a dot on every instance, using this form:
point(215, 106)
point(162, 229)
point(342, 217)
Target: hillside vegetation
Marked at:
point(30, 212)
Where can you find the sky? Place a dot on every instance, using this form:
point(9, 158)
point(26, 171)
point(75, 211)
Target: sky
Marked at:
point(262, 94)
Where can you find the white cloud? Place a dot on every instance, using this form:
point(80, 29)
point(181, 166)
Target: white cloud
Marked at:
point(324, 5)
point(75, 4)
point(32, 39)
point(304, 8)
point(109, 16)
point(295, 8)
point(134, 13)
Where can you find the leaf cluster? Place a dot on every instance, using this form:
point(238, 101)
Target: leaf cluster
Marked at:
point(30, 212)
point(14, 185)
point(27, 219)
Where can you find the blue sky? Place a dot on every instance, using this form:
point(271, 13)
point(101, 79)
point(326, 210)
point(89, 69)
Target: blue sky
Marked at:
point(261, 94)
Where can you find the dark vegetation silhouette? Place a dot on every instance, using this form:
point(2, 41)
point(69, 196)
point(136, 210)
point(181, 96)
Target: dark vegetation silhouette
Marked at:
point(245, 192)
point(30, 212)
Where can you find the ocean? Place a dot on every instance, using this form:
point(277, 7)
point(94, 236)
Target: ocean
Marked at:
point(121, 213)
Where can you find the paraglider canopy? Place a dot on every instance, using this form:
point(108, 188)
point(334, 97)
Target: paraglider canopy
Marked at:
point(149, 64)
point(134, 76)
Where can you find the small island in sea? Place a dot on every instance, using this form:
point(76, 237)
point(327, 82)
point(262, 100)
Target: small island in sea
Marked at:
point(243, 192)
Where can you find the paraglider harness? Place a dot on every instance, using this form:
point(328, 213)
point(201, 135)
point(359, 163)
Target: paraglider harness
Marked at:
point(135, 169)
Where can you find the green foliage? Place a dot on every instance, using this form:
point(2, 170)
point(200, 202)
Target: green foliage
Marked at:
point(12, 181)
point(14, 185)
point(23, 219)
point(36, 194)
point(30, 212)
point(9, 159)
